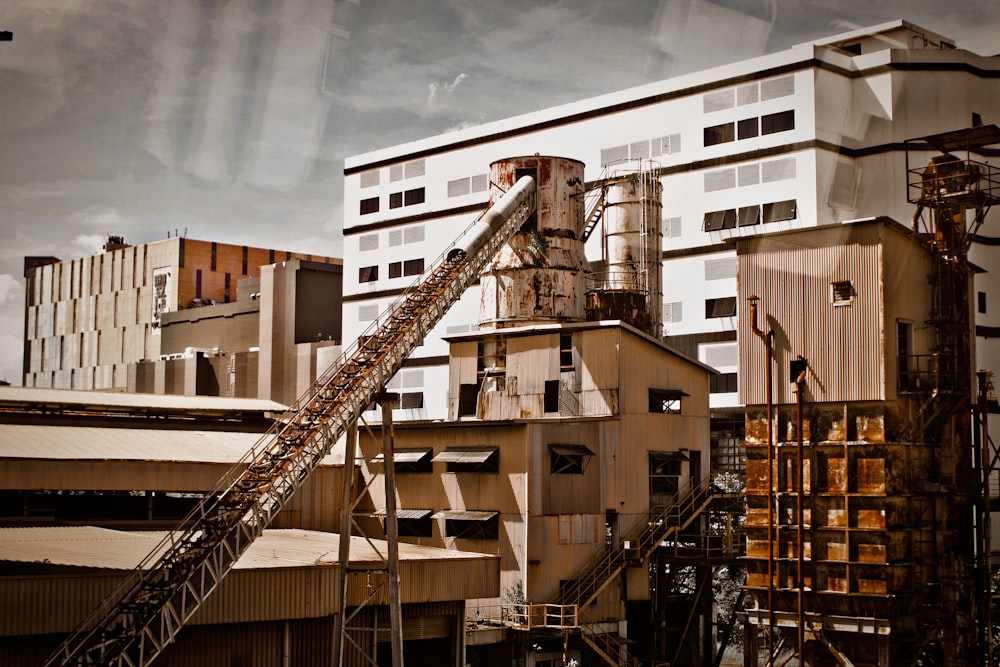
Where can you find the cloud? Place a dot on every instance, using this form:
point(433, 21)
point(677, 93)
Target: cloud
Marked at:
point(98, 216)
point(9, 286)
point(447, 88)
point(85, 245)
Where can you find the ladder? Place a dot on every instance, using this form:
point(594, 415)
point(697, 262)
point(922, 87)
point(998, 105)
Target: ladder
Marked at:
point(140, 618)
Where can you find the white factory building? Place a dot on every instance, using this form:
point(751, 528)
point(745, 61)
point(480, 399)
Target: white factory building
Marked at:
point(813, 135)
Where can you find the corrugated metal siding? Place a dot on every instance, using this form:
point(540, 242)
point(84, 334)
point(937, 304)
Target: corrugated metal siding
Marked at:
point(843, 344)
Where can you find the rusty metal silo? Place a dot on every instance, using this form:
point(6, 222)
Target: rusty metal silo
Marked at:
point(538, 276)
point(630, 286)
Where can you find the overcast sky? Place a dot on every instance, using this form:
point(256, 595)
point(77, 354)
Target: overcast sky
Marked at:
point(229, 120)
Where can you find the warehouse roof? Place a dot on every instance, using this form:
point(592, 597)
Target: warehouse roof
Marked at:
point(54, 400)
point(101, 548)
point(95, 443)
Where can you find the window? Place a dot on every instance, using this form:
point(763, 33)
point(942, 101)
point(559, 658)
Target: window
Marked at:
point(367, 274)
point(747, 129)
point(369, 205)
point(720, 179)
point(414, 168)
point(569, 459)
point(780, 210)
point(413, 267)
point(413, 234)
point(747, 216)
point(471, 459)
point(409, 460)
point(550, 400)
point(395, 269)
point(396, 200)
point(777, 122)
point(365, 243)
point(410, 522)
point(614, 154)
point(470, 524)
point(673, 312)
point(458, 187)
point(468, 398)
point(370, 178)
point(665, 401)
point(415, 196)
point(716, 220)
point(720, 269)
point(719, 134)
point(566, 351)
point(904, 354)
point(723, 383)
point(664, 471)
point(724, 307)
point(841, 292)
point(981, 301)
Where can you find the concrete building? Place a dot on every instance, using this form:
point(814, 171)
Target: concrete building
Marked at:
point(809, 136)
point(87, 320)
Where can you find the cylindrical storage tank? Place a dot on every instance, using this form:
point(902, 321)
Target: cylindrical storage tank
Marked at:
point(630, 287)
point(538, 275)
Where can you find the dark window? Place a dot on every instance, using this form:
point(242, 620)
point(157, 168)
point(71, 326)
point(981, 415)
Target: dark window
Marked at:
point(369, 205)
point(569, 459)
point(551, 399)
point(723, 383)
point(415, 527)
point(395, 269)
point(841, 292)
point(779, 210)
point(367, 274)
point(777, 122)
point(904, 338)
point(396, 200)
point(747, 129)
point(748, 215)
point(716, 220)
point(468, 397)
point(215, 252)
point(719, 134)
point(411, 400)
point(665, 401)
point(415, 196)
point(197, 284)
point(471, 459)
point(227, 288)
point(471, 525)
point(724, 307)
point(981, 299)
point(854, 49)
point(413, 267)
point(664, 471)
point(566, 351)
point(410, 522)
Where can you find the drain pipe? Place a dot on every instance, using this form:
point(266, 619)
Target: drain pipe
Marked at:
point(801, 366)
point(768, 339)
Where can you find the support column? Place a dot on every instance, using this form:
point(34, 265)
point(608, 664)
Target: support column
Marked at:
point(386, 401)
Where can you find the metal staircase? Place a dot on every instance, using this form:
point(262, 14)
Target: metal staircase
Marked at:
point(143, 615)
point(662, 523)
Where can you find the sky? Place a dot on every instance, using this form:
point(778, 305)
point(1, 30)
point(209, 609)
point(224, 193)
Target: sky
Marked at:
point(229, 120)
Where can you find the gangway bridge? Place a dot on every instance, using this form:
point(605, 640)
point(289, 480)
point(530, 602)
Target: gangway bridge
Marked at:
point(141, 617)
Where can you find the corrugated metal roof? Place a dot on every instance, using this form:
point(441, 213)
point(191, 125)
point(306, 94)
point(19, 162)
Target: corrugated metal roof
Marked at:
point(405, 455)
point(465, 515)
point(34, 441)
point(404, 513)
point(466, 454)
point(101, 548)
point(116, 400)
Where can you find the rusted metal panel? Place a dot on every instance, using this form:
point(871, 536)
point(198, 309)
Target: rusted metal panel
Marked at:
point(538, 275)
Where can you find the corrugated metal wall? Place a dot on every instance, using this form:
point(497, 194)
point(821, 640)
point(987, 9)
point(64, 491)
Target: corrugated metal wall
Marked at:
point(844, 344)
